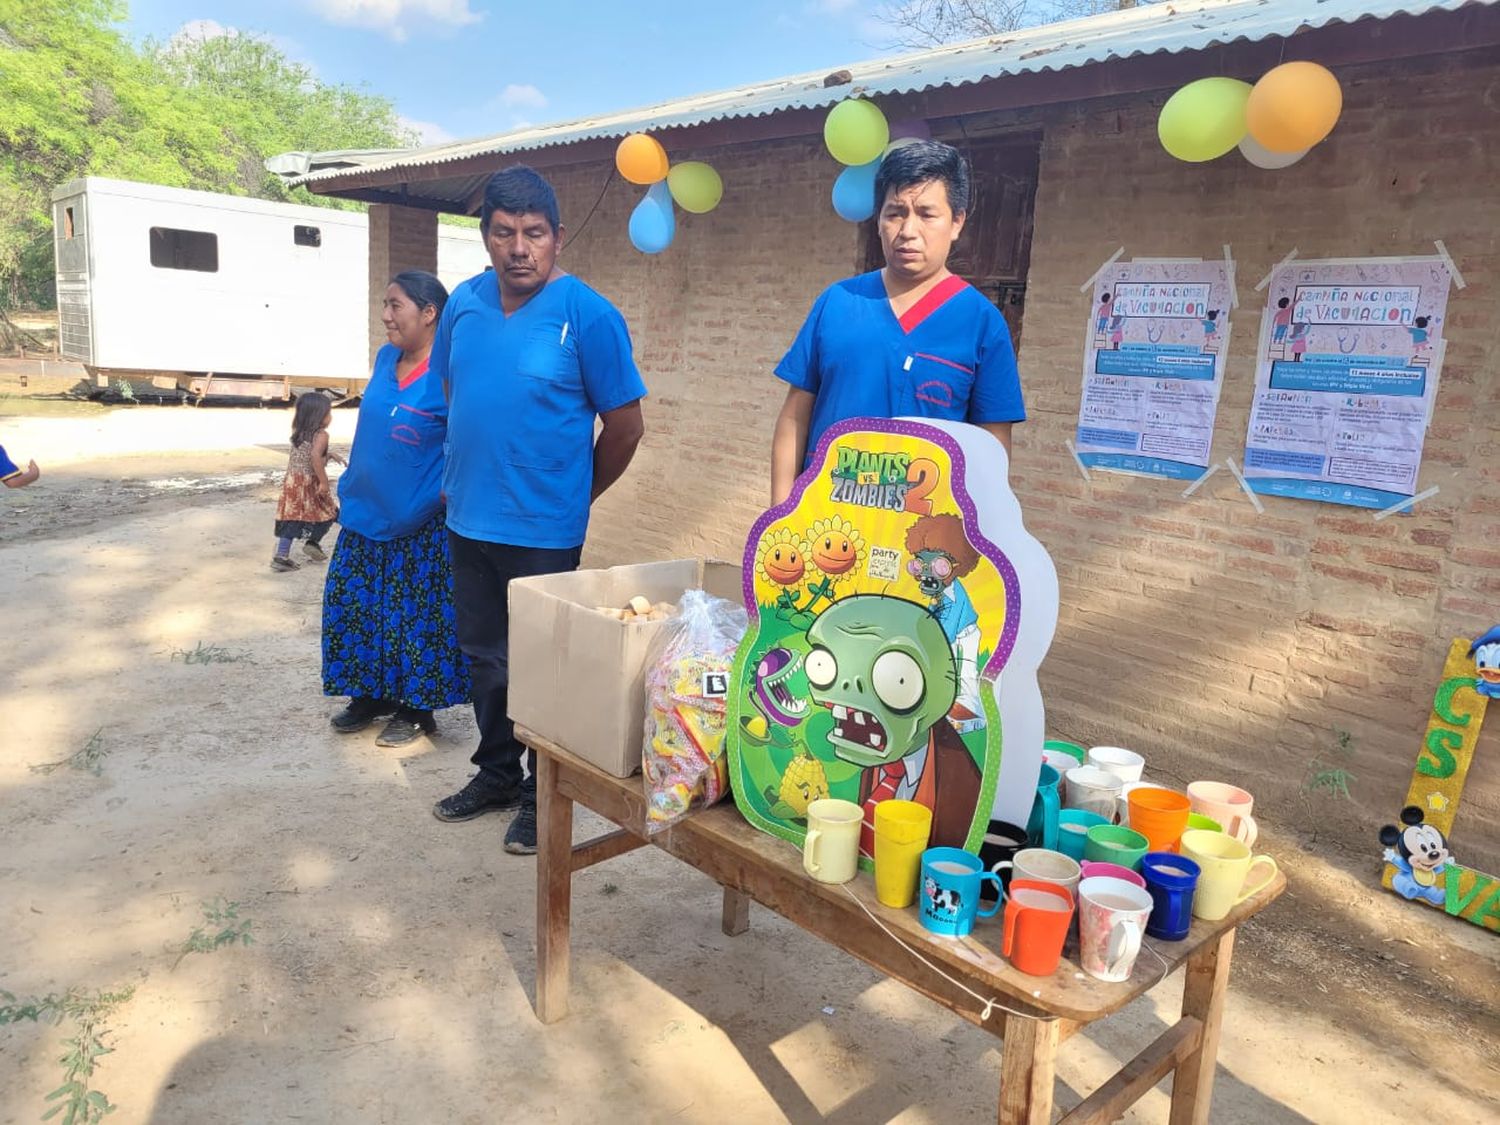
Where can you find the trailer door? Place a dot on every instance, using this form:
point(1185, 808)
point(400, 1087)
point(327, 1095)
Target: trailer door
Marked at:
point(70, 241)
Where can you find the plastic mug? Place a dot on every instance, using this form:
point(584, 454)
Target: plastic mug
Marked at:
point(1229, 805)
point(1125, 764)
point(1042, 827)
point(951, 878)
point(1040, 865)
point(1111, 920)
point(1072, 830)
point(1093, 789)
point(1160, 815)
point(1170, 881)
point(1093, 869)
point(1002, 840)
point(901, 831)
point(1203, 823)
point(1037, 919)
point(1114, 843)
point(1225, 864)
point(1071, 749)
point(1122, 802)
point(830, 850)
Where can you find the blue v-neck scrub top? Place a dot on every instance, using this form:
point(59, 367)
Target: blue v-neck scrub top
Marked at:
point(524, 392)
point(949, 357)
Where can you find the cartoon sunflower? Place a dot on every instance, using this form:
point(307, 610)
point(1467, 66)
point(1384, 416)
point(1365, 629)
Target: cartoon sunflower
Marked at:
point(836, 547)
point(782, 558)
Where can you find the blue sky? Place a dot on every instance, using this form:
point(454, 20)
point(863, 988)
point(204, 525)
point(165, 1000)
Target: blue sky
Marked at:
point(464, 68)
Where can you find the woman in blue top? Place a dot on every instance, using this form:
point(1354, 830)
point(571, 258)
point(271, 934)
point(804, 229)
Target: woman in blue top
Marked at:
point(912, 339)
point(389, 641)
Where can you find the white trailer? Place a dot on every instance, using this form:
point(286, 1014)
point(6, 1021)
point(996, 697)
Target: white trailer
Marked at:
point(219, 294)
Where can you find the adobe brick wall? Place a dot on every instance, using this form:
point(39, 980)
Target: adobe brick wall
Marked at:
point(1219, 642)
point(401, 238)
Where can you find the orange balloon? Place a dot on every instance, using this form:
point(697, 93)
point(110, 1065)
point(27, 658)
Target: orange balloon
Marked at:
point(1294, 106)
point(641, 159)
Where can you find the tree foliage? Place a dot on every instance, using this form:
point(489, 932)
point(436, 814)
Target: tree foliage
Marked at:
point(79, 98)
point(930, 23)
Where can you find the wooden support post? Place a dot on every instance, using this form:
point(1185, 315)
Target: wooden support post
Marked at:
point(736, 912)
point(1204, 990)
point(1026, 1071)
point(1109, 1102)
point(554, 892)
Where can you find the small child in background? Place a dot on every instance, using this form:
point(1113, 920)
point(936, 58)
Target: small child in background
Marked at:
point(307, 509)
point(12, 476)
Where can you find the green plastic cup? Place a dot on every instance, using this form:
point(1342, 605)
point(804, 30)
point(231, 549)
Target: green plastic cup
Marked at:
point(1114, 843)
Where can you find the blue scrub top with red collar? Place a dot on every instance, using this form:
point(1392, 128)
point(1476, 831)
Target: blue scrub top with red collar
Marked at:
point(394, 481)
point(950, 357)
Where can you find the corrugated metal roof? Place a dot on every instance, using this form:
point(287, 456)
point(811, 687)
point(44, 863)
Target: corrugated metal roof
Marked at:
point(1163, 28)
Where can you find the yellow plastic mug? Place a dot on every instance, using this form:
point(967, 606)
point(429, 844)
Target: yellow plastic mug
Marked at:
point(901, 831)
point(1226, 864)
point(830, 851)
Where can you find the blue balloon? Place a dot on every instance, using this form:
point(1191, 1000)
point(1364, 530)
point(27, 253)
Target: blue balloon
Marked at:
point(854, 191)
point(652, 223)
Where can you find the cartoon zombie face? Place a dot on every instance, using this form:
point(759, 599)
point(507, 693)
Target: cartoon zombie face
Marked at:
point(884, 667)
point(933, 571)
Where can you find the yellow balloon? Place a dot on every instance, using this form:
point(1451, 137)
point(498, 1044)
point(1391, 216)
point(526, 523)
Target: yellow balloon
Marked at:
point(1294, 106)
point(641, 159)
point(1204, 119)
point(856, 131)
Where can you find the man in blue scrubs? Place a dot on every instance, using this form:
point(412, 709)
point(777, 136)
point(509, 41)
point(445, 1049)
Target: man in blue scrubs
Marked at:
point(909, 340)
point(530, 356)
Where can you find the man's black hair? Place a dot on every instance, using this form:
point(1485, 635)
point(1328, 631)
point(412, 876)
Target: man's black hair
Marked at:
point(921, 162)
point(519, 190)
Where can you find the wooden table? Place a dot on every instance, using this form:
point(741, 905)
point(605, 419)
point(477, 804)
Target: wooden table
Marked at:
point(753, 865)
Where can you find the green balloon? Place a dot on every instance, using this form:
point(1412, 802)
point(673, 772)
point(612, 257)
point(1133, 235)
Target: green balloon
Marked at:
point(695, 186)
point(856, 132)
point(1204, 119)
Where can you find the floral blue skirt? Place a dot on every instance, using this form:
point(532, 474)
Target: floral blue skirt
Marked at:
point(388, 630)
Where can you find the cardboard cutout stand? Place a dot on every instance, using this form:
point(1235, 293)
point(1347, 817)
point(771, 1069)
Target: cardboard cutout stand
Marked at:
point(898, 613)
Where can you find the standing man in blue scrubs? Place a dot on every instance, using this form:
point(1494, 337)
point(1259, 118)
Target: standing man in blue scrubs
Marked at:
point(911, 339)
point(531, 356)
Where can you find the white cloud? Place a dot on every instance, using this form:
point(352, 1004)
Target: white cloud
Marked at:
point(396, 18)
point(522, 97)
point(428, 132)
point(200, 31)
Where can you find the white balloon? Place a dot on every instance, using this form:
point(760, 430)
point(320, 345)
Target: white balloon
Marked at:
point(1262, 157)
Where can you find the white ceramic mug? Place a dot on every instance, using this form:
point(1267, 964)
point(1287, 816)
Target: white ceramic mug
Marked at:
point(1042, 865)
point(1127, 765)
point(1094, 789)
point(1112, 918)
point(1229, 805)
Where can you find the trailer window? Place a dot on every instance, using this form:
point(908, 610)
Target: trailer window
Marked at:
point(67, 222)
point(307, 236)
point(184, 250)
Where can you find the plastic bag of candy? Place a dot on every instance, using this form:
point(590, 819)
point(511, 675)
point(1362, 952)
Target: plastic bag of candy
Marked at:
point(687, 695)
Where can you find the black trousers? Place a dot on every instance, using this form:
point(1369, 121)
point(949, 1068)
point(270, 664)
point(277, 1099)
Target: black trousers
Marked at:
point(481, 577)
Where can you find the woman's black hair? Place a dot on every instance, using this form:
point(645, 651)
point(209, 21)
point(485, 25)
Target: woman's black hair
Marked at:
point(519, 190)
point(422, 288)
point(307, 418)
point(921, 162)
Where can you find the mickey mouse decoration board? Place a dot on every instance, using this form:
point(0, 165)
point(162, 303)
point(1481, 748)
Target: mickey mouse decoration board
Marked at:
point(1418, 865)
point(898, 613)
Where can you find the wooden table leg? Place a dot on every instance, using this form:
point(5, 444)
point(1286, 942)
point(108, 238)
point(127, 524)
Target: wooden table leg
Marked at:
point(1026, 1071)
point(1204, 989)
point(554, 892)
point(736, 912)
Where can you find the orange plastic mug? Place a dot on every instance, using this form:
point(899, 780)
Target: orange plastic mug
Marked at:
point(1037, 918)
point(1160, 815)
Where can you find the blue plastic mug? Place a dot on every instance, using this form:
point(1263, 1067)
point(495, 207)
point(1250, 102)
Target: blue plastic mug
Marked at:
point(1073, 831)
point(1045, 806)
point(1170, 881)
point(948, 899)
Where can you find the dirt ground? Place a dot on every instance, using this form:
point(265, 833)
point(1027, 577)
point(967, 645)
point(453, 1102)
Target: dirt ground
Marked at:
point(391, 969)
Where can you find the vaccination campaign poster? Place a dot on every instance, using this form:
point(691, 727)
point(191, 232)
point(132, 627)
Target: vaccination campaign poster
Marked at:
point(1348, 365)
point(1153, 365)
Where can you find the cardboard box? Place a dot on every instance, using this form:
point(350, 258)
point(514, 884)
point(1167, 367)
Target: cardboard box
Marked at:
point(577, 677)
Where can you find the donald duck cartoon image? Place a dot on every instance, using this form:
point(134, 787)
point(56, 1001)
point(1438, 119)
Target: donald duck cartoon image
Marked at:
point(1486, 654)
